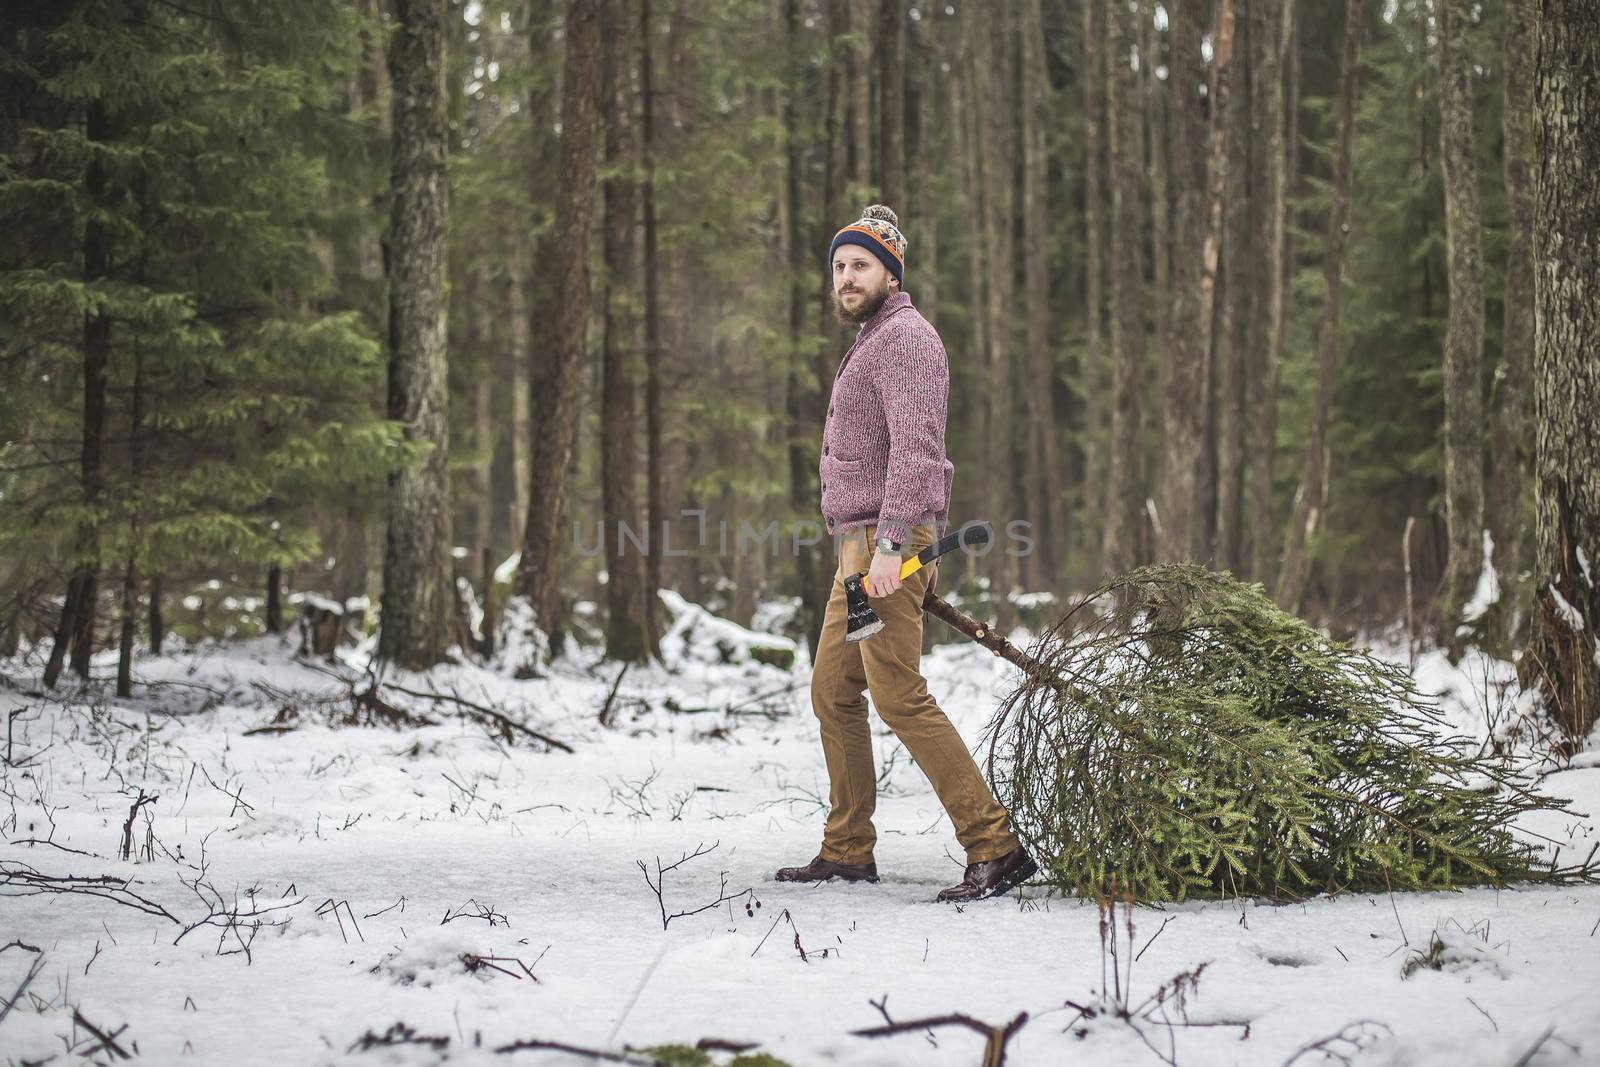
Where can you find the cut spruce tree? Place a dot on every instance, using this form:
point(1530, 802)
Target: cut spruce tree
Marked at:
point(1179, 735)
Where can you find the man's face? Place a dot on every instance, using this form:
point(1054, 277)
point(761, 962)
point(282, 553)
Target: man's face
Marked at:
point(861, 283)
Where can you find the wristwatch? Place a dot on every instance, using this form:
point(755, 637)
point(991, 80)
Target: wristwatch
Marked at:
point(887, 545)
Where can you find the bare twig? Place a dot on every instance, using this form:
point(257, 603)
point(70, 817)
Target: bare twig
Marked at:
point(507, 726)
point(994, 1054)
point(26, 881)
point(657, 883)
point(107, 1041)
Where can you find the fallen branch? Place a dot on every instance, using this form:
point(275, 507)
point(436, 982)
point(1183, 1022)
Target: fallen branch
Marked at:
point(29, 881)
point(508, 726)
point(107, 1041)
point(27, 979)
point(994, 1053)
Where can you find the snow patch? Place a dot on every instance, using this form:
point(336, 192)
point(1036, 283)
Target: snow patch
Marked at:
point(1568, 613)
point(1487, 592)
point(699, 637)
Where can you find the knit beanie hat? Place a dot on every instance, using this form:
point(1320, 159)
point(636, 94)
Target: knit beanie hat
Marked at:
point(878, 231)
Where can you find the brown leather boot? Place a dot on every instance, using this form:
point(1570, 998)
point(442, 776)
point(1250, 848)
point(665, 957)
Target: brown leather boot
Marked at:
point(991, 877)
point(821, 870)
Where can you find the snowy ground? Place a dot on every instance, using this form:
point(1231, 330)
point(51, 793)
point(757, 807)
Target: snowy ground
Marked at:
point(345, 880)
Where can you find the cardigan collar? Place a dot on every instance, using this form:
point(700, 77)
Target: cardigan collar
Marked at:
point(895, 302)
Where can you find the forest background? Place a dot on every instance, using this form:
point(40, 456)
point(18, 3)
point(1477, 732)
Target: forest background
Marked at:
point(416, 301)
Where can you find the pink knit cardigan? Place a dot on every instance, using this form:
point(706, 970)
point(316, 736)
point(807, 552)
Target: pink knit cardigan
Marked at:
point(883, 455)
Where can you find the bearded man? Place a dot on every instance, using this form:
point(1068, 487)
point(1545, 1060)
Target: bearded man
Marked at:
point(886, 492)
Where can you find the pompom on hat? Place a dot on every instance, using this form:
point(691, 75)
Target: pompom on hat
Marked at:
point(878, 231)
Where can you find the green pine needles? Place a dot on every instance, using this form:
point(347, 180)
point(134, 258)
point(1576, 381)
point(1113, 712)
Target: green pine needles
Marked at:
point(1184, 737)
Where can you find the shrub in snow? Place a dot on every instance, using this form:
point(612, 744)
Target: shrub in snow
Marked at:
point(1180, 735)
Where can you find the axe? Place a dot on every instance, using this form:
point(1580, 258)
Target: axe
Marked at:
point(861, 621)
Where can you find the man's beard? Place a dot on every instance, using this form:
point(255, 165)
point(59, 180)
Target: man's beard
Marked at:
point(867, 308)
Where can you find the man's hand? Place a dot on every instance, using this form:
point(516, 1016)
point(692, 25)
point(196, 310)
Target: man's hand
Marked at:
point(883, 576)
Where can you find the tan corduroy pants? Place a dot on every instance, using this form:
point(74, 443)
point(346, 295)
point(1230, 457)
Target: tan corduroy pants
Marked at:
point(887, 666)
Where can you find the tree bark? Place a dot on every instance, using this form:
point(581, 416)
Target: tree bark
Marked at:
point(1307, 515)
point(558, 390)
point(484, 507)
point(892, 102)
point(968, 101)
point(1231, 208)
point(655, 498)
point(1155, 121)
point(1187, 347)
point(1043, 457)
point(516, 284)
point(1125, 517)
point(75, 629)
point(130, 574)
point(1561, 659)
point(1463, 356)
point(418, 595)
point(1511, 447)
point(156, 625)
point(1096, 422)
point(625, 622)
point(1272, 52)
point(861, 58)
point(998, 112)
point(800, 396)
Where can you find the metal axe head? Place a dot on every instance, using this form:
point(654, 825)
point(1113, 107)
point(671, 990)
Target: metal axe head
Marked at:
point(861, 621)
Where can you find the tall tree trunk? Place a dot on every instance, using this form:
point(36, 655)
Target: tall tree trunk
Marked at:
point(968, 106)
point(1125, 517)
point(800, 398)
point(76, 627)
point(1463, 359)
point(998, 112)
point(130, 574)
point(625, 623)
point(156, 624)
point(861, 59)
point(274, 598)
point(1513, 437)
point(1190, 307)
point(1307, 516)
point(1563, 658)
point(558, 392)
point(1155, 119)
point(1043, 457)
point(484, 507)
point(1092, 372)
point(892, 102)
point(1271, 52)
point(931, 163)
point(418, 595)
point(1232, 203)
point(655, 499)
point(516, 283)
